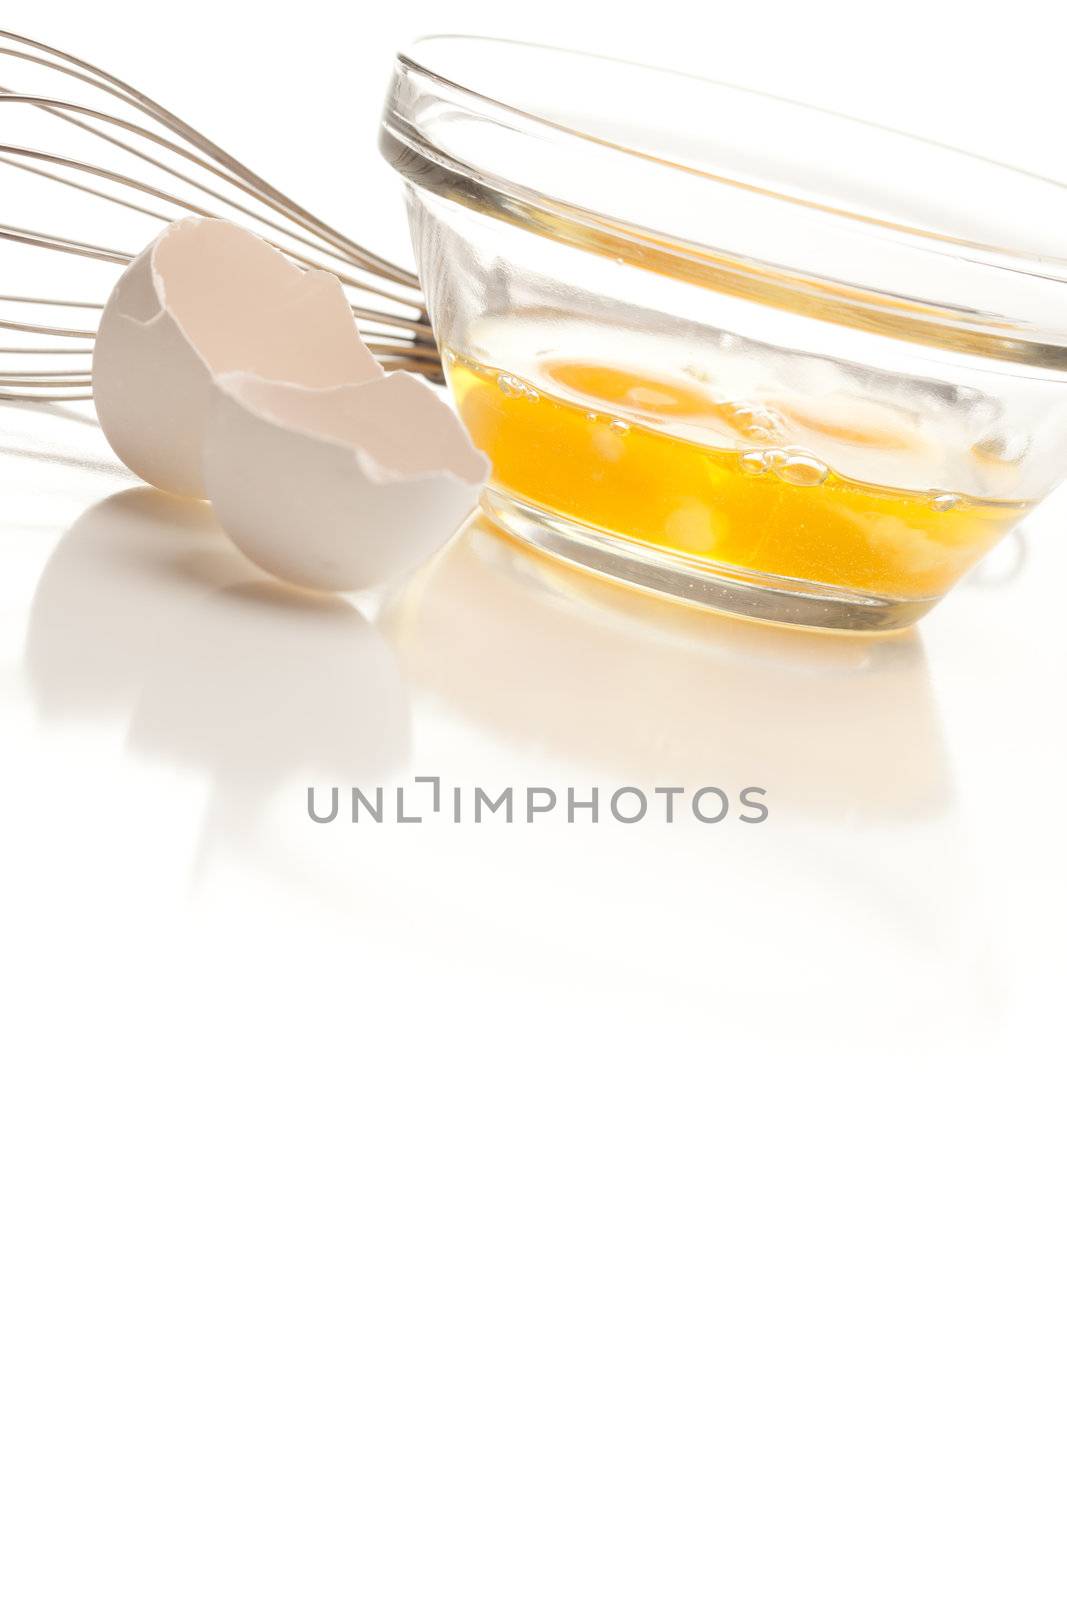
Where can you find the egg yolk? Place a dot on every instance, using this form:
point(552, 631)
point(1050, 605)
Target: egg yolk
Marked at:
point(752, 503)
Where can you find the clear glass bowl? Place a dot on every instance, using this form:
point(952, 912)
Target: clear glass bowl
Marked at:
point(729, 347)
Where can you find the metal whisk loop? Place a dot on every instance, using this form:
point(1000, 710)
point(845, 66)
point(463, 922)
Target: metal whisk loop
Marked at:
point(171, 169)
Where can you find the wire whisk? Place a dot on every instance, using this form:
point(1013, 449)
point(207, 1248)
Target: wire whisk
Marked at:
point(167, 169)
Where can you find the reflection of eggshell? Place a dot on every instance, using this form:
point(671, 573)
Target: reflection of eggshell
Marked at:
point(208, 297)
point(338, 488)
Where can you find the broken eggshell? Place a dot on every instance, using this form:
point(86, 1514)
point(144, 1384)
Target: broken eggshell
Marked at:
point(208, 297)
point(338, 488)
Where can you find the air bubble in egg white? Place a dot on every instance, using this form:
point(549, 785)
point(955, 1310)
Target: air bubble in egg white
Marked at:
point(945, 502)
point(758, 422)
point(806, 472)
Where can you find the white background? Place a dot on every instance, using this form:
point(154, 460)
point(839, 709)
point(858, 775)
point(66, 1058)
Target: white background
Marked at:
point(548, 1211)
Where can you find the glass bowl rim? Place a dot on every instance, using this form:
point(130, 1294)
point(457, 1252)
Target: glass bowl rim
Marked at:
point(1006, 255)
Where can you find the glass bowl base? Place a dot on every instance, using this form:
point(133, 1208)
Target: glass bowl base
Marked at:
point(762, 597)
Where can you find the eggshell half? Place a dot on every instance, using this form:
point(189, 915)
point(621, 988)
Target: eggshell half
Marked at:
point(208, 297)
point(339, 488)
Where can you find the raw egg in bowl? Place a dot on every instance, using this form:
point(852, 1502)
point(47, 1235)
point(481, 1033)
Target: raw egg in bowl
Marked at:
point(747, 353)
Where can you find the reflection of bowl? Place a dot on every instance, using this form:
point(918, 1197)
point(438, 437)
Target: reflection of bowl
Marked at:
point(639, 691)
point(729, 347)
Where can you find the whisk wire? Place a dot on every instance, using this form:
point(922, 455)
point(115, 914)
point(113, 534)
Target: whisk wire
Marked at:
point(395, 325)
point(62, 61)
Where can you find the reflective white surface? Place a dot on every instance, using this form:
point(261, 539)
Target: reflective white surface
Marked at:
point(168, 707)
point(540, 1173)
point(506, 1212)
